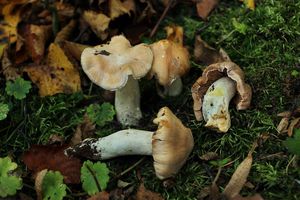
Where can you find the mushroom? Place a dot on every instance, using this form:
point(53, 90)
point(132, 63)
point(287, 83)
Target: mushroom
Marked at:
point(116, 67)
point(170, 145)
point(170, 62)
point(212, 92)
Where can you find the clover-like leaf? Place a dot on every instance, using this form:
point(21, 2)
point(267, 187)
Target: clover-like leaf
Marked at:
point(293, 144)
point(19, 88)
point(53, 187)
point(9, 184)
point(101, 114)
point(3, 110)
point(94, 177)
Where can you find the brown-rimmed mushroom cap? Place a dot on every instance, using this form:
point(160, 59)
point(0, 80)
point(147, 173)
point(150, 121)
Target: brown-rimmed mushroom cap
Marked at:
point(170, 61)
point(214, 72)
point(109, 65)
point(171, 144)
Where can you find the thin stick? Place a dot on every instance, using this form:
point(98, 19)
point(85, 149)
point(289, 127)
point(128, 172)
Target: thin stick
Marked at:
point(130, 168)
point(161, 18)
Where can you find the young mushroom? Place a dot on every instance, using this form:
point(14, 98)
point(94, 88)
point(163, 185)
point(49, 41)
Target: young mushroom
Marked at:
point(170, 62)
point(212, 92)
point(116, 67)
point(170, 145)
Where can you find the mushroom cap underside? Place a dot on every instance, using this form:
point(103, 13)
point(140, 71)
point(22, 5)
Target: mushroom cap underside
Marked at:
point(212, 73)
point(109, 65)
point(171, 144)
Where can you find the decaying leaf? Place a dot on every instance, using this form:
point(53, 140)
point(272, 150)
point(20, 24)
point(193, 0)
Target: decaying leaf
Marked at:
point(65, 32)
point(208, 55)
point(74, 49)
point(283, 125)
point(175, 34)
point(204, 7)
point(118, 7)
point(290, 121)
point(100, 196)
point(144, 194)
point(38, 183)
point(209, 156)
point(9, 70)
point(98, 23)
point(59, 76)
point(254, 197)
point(52, 157)
point(36, 39)
point(295, 123)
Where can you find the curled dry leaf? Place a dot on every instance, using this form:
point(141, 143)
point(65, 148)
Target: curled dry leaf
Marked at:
point(74, 49)
point(38, 183)
point(204, 7)
point(65, 32)
point(98, 23)
point(144, 194)
point(59, 76)
point(208, 55)
point(52, 157)
point(295, 123)
point(118, 8)
point(175, 34)
point(283, 125)
point(36, 38)
point(290, 120)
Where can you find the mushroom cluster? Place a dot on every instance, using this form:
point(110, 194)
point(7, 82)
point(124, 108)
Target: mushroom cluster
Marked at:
point(212, 92)
point(170, 145)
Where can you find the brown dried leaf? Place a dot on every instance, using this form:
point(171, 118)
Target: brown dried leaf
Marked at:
point(74, 49)
point(144, 194)
point(100, 196)
point(283, 125)
point(98, 23)
point(209, 156)
point(84, 130)
point(59, 76)
point(295, 123)
point(204, 7)
point(65, 32)
point(118, 8)
point(208, 55)
point(52, 157)
point(38, 183)
point(175, 34)
point(9, 70)
point(254, 197)
point(36, 39)
point(285, 114)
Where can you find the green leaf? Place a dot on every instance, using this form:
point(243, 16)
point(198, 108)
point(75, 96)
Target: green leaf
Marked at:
point(101, 114)
point(9, 184)
point(293, 144)
point(239, 27)
point(94, 177)
point(53, 187)
point(295, 73)
point(19, 88)
point(3, 110)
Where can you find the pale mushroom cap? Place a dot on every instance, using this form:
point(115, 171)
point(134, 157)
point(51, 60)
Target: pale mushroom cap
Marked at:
point(212, 73)
point(171, 144)
point(171, 60)
point(109, 65)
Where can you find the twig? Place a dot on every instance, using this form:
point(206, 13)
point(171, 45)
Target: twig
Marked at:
point(130, 168)
point(161, 18)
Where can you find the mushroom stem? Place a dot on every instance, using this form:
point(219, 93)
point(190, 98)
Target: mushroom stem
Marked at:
point(127, 103)
point(216, 104)
point(121, 143)
point(172, 90)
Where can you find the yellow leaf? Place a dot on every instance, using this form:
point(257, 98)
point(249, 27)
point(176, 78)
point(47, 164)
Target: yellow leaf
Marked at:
point(98, 23)
point(59, 76)
point(118, 8)
point(250, 4)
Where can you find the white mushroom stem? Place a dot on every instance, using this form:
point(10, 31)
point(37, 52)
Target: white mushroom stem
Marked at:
point(172, 90)
point(121, 143)
point(127, 103)
point(216, 103)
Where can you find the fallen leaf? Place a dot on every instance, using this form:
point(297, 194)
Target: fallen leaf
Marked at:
point(100, 196)
point(9, 70)
point(38, 183)
point(175, 34)
point(52, 157)
point(74, 49)
point(65, 32)
point(283, 125)
point(295, 123)
point(250, 4)
point(208, 55)
point(144, 194)
point(98, 23)
point(254, 197)
point(118, 8)
point(59, 76)
point(36, 38)
point(204, 7)
point(209, 156)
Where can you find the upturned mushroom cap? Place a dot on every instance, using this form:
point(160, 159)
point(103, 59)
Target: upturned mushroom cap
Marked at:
point(109, 65)
point(171, 144)
point(212, 73)
point(170, 61)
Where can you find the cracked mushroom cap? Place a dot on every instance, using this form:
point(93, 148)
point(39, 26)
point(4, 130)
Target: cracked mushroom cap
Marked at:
point(109, 65)
point(212, 73)
point(171, 144)
point(170, 61)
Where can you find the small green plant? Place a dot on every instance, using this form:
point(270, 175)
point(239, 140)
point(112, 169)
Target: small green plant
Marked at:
point(219, 163)
point(101, 114)
point(9, 183)
point(239, 27)
point(53, 187)
point(19, 88)
point(293, 144)
point(94, 177)
point(3, 110)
